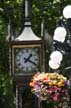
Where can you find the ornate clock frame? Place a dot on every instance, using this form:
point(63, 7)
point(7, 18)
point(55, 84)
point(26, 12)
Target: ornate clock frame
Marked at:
point(26, 44)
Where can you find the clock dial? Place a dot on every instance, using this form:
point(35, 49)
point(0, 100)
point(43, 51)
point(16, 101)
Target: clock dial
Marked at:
point(27, 59)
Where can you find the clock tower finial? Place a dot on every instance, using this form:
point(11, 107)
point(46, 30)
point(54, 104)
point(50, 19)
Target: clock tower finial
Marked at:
point(27, 34)
point(27, 9)
point(27, 13)
point(10, 36)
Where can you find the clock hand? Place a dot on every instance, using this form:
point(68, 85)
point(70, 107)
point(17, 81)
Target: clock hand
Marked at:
point(26, 59)
point(30, 61)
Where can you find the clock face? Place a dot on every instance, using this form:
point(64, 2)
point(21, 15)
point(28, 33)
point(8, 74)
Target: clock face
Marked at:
point(27, 59)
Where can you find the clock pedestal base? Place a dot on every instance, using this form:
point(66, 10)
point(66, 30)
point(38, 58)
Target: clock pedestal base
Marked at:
point(25, 99)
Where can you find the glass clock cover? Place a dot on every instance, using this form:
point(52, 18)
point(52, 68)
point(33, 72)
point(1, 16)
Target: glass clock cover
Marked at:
point(27, 60)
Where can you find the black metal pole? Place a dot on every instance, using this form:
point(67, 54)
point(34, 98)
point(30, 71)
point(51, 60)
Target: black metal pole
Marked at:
point(69, 89)
point(69, 42)
point(69, 31)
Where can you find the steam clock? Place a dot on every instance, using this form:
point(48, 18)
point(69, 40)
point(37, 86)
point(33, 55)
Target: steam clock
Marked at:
point(26, 60)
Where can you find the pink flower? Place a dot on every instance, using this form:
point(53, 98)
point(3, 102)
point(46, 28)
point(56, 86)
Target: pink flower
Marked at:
point(54, 98)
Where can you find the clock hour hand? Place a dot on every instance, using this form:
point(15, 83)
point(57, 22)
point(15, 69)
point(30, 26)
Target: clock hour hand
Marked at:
point(30, 61)
point(26, 59)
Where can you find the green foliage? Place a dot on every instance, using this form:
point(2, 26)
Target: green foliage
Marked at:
point(13, 10)
point(6, 92)
point(3, 57)
point(6, 85)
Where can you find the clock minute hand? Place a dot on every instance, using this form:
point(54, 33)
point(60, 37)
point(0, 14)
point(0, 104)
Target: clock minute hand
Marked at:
point(30, 61)
point(26, 59)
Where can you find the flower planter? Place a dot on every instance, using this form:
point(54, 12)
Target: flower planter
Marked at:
point(51, 88)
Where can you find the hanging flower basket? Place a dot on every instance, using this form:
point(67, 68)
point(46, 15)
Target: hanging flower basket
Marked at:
point(51, 88)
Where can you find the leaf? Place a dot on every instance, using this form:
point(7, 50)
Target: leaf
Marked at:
point(1, 9)
point(56, 1)
point(19, 1)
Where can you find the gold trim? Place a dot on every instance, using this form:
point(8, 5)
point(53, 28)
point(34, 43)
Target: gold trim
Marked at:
point(25, 46)
point(13, 61)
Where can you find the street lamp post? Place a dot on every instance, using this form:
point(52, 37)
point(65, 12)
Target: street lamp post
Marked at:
point(67, 15)
point(62, 43)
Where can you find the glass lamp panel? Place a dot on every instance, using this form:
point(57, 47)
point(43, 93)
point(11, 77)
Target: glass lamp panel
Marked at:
point(56, 56)
point(59, 38)
point(67, 12)
point(60, 31)
point(54, 65)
